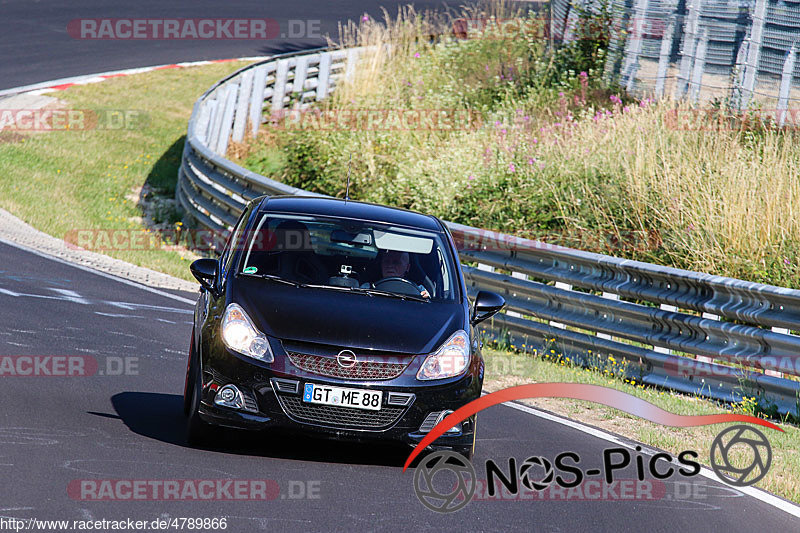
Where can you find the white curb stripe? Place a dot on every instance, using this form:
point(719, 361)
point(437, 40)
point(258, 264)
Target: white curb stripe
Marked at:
point(99, 273)
point(63, 83)
point(762, 496)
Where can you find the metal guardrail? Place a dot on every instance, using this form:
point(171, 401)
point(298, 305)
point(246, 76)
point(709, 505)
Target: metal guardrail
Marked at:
point(744, 50)
point(671, 328)
point(215, 190)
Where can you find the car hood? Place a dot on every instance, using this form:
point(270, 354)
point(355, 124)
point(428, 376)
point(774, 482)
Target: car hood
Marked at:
point(354, 320)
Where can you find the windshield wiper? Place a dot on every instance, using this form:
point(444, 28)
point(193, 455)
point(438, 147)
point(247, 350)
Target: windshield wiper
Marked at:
point(273, 277)
point(400, 295)
point(370, 292)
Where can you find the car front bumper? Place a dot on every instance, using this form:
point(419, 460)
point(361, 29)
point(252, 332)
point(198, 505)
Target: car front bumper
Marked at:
point(274, 400)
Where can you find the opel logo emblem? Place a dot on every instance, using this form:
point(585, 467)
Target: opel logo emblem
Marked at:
point(346, 359)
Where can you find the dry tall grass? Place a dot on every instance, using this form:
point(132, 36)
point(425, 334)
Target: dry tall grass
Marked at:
point(568, 161)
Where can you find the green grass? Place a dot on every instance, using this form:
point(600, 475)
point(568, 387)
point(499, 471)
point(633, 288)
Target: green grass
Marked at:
point(505, 369)
point(75, 180)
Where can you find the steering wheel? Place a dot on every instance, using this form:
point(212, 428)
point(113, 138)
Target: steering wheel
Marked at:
point(391, 284)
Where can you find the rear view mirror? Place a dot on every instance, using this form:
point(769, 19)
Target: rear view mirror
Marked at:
point(486, 305)
point(205, 270)
point(362, 238)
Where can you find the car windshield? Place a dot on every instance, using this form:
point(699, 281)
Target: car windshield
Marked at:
point(353, 255)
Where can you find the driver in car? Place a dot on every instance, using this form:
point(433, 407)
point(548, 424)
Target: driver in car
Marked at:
point(396, 264)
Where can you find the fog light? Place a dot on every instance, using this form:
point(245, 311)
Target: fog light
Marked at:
point(229, 396)
point(454, 429)
point(434, 418)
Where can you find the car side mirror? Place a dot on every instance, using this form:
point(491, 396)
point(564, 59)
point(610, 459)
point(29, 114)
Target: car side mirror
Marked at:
point(486, 305)
point(205, 270)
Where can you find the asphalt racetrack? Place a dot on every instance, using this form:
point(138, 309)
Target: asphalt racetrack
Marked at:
point(70, 444)
point(124, 422)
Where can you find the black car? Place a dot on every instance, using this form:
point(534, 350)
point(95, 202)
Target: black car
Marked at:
point(335, 318)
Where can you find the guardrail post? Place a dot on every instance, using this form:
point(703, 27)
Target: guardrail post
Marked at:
point(753, 52)
point(227, 119)
point(216, 124)
point(634, 44)
point(775, 373)
point(572, 19)
point(739, 68)
point(300, 73)
point(240, 122)
point(664, 58)
point(688, 46)
point(518, 275)
point(703, 358)
point(279, 89)
point(609, 296)
point(659, 349)
point(699, 66)
point(203, 121)
point(323, 76)
point(257, 98)
point(557, 22)
point(566, 287)
point(352, 60)
point(786, 85)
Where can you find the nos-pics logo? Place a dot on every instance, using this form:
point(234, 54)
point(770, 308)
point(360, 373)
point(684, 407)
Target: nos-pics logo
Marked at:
point(446, 481)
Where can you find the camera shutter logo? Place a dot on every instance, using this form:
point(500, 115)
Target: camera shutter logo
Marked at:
point(721, 460)
point(346, 359)
point(459, 495)
point(524, 473)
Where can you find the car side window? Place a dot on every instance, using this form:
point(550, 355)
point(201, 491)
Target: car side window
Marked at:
point(445, 276)
point(230, 248)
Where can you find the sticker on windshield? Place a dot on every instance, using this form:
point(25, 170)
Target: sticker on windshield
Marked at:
point(250, 270)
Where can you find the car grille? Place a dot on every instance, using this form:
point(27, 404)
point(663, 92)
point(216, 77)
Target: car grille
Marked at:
point(329, 366)
point(336, 416)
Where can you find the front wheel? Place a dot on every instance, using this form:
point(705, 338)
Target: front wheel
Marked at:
point(188, 384)
point(469, 451)
point(197, 431)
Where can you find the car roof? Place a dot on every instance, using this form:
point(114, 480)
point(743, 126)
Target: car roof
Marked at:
point(336, 207)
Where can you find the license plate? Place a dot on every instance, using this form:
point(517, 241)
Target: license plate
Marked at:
point(358, 398)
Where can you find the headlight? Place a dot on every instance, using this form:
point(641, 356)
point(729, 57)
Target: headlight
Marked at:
point(240, 335)
point(451, 359)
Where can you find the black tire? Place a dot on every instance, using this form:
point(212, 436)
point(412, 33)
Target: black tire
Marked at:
point(469, 451)
point(466, 451)
point(188, 386)
point(197, 431)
